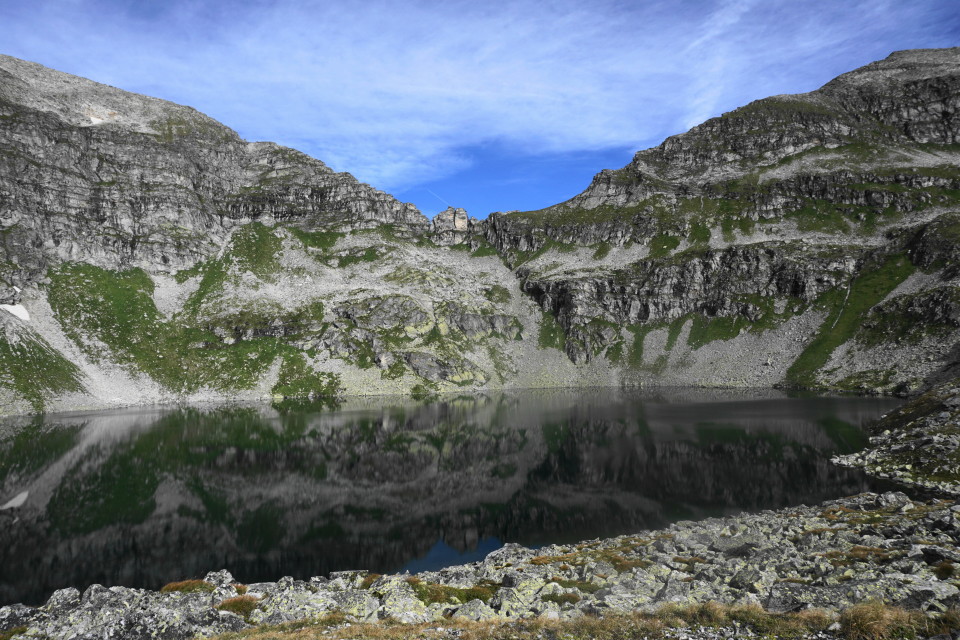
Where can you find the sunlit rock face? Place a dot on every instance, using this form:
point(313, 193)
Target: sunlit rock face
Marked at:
point(123, 497)
point(799, 241)
point(453, 226)
point(96, 174)
point(748, 222)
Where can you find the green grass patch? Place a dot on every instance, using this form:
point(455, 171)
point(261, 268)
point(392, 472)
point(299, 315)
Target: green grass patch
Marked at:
point(322, 240)
point(662, 245)
point(729, 225)
point(573, 216)
point(674, 332)
point(395, 371)
point(369, 254)
point(255, 248)
point(871, 380)
point(33, 369)
point(98, 307)
point(699, 234)
point(615, 352)
point(639, 331)
point(498, 294)
point(911, 318)
point(484, 251)
point(430, 593)
point(299, 379)
point(551, 335)
point(601, 250)
point(705, 329)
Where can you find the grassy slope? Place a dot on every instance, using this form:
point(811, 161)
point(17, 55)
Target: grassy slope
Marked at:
point(846, 310)
point(116, 309)
point(31, 368)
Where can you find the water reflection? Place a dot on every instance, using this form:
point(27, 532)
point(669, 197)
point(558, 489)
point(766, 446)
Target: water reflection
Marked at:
point(144, 497)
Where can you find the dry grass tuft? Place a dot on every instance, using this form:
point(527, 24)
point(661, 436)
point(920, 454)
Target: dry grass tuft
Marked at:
point(864, 622)
point(944, 569)
point(188, 586)
point(243, 606)
point(877, 621)
point(369, 579)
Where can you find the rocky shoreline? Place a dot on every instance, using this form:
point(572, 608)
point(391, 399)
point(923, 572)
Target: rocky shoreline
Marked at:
point(885, 547)
point(918, 445)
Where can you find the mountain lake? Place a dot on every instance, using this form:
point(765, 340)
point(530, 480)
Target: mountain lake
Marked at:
point(145, 496)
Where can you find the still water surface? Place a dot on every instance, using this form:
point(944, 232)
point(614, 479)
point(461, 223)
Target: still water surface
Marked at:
point(143, 497)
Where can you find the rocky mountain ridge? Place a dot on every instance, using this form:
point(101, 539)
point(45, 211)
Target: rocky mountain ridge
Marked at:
point(147, 253)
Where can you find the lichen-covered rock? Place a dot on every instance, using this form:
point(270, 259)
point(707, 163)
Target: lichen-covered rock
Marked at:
point(475, 610)
point(360, 606)
point(18, 615)
point(289, 599)
point(222, 578)
point(403, 605)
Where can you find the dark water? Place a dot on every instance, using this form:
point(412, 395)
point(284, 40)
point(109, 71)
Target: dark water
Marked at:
point(145, 497)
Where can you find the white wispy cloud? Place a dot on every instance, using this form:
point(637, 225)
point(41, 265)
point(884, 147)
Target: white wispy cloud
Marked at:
point(394, 91)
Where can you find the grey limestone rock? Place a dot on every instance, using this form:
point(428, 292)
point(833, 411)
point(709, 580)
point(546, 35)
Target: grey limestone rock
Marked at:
point(221, 578)
point(452, 226)
point(475, 610)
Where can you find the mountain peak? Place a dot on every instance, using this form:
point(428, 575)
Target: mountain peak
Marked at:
point(84, 103)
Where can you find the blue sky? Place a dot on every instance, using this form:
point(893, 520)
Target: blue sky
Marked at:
point(484, 105)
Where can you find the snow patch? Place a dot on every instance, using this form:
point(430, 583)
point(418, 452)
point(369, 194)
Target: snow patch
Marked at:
point(17, 310)
point(16, 502)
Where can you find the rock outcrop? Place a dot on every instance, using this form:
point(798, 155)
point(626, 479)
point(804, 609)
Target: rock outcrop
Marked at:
point(917, 445)
point(453, 226)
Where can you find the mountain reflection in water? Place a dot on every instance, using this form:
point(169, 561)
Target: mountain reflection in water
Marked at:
point(147, 496)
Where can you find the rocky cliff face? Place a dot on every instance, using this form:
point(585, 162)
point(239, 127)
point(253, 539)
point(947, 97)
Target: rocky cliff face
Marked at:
point(811, 238)
point(148, 253)
point(98, 175)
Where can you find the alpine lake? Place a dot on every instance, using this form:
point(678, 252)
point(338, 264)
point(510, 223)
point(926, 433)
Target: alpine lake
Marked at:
point(142, 497)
